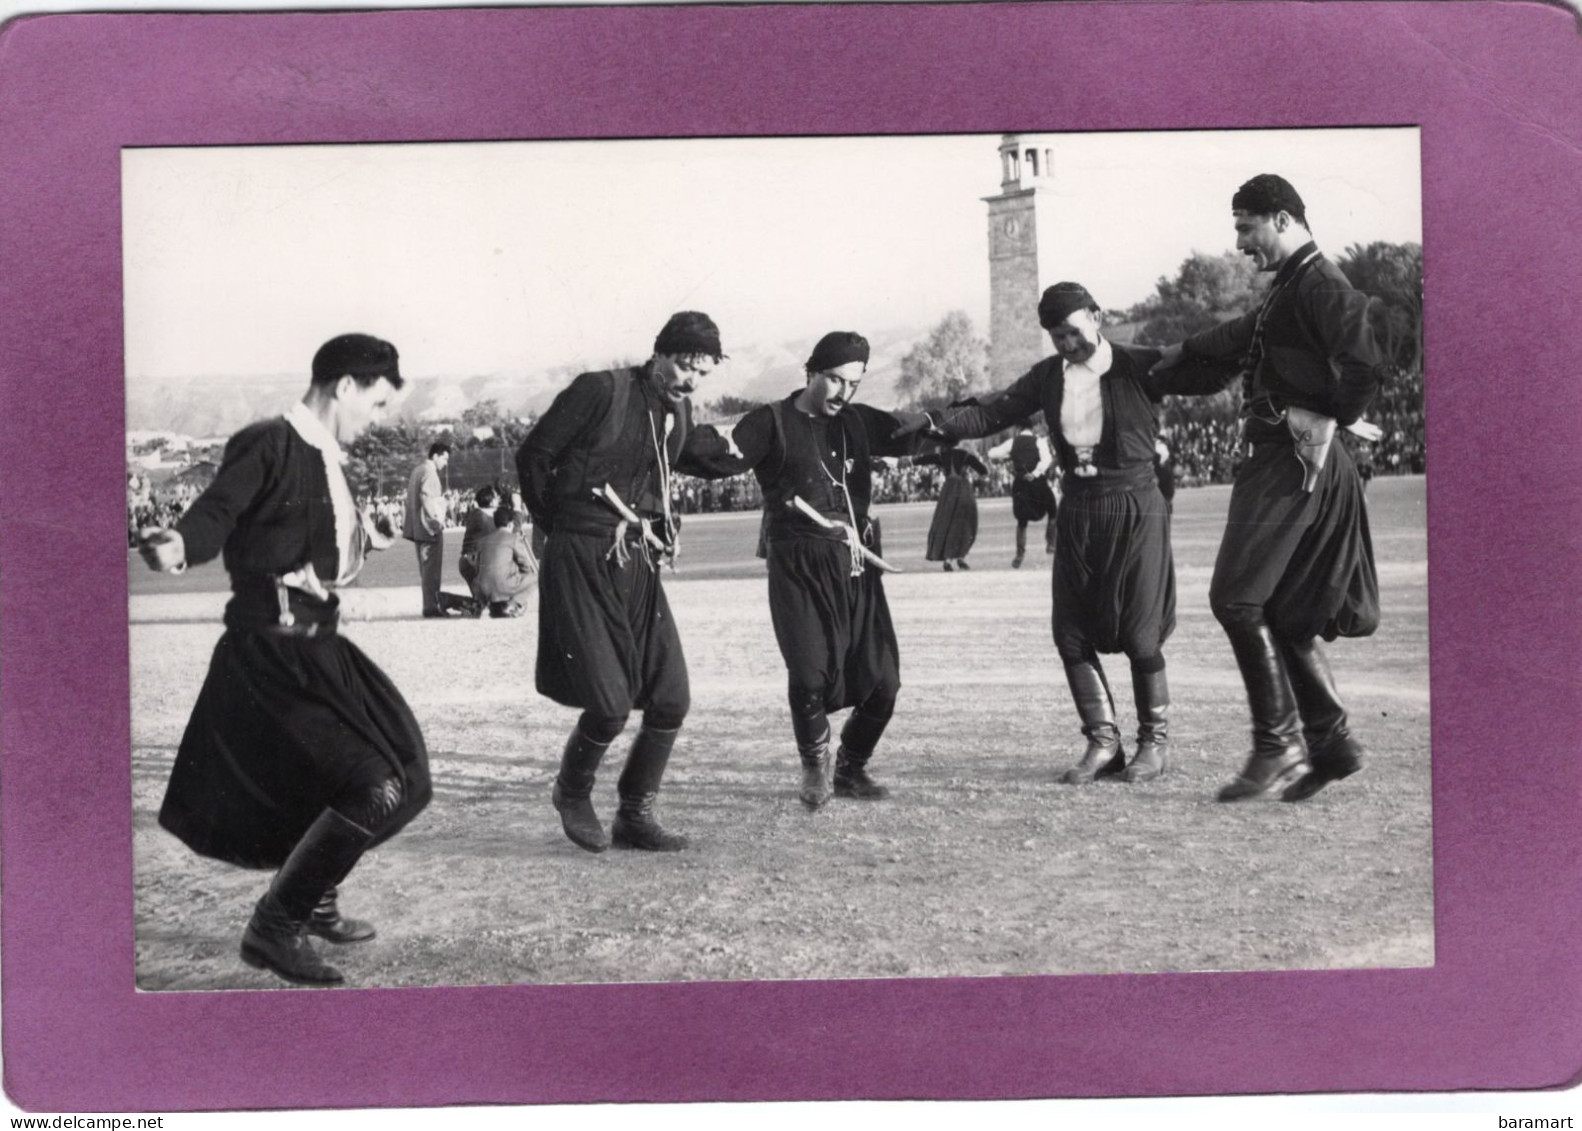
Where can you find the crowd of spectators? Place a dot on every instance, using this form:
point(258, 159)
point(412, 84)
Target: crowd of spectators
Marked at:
point(147, 506)
point(1398, 410)
point(893, 482)
point(1205, 450)
point(1201, 435)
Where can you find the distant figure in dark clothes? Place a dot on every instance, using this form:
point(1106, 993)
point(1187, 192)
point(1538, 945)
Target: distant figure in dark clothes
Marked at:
point(1296, 562)
point(1032, 498)
point(955, 525)
point(827, 602)
point(1365, 466)
point(300, 754)
point(478, 526)
point(1114, 578)
point(607, 642)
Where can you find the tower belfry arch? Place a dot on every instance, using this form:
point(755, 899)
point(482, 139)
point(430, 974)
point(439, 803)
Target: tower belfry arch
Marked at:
point(1021, 231)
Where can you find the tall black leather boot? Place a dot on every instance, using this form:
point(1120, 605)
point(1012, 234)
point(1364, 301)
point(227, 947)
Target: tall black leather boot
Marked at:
point(817, 767)
point(579, 763)
point(1331, 750)
point(276, 936)
point(1021, 546)
point(1104, 756)
point(1151, 691)
point(857, 741)
point(1277, 754)
point(635, 825)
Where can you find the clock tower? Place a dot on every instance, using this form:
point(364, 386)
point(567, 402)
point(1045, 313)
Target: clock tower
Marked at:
point(1016, 340)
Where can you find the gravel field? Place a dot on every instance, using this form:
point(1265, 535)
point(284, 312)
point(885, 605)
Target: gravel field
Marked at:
point(981, 864)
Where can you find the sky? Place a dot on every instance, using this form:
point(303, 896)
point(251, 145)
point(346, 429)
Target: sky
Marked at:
point(494, 258)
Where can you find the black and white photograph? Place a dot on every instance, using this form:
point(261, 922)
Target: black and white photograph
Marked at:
point(777, 558)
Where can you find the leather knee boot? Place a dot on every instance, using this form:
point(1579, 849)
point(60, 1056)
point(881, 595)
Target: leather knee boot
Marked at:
point(635, 824)
point(1151, 691)
point(1021, 546)
point(1104, 756)
point(1277, 754)
point(572, 796)
point(276, 937)
point(817, 770)
point(1331, 750)
point(857, 740)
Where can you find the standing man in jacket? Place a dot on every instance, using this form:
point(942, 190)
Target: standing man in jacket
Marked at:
point(1296, 563)
point(424, 525)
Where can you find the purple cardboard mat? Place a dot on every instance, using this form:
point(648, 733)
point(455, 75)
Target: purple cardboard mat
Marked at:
point(1494, 89)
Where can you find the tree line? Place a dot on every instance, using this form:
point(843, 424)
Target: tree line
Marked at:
point(952, 361)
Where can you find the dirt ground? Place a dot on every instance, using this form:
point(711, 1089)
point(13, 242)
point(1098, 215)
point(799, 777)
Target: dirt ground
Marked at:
point(980, 864)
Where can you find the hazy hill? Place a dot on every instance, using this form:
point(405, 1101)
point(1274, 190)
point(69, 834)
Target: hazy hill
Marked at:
point(208, 406)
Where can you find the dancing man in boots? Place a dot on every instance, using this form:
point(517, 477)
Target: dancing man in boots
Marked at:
point(300, 754)
point(1296, 562)
point(826, 599)
point(1114, 577)
point(607, 642)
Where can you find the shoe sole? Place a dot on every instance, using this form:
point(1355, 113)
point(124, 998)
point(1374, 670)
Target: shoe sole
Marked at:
point(594, 847)
point(1279, 782)
point(340, 940)
point(1114, 768)
point(1301, 790)
point(640, 846)
point(260, 962)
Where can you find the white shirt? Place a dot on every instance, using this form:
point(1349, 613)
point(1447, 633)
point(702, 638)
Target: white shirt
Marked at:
point(1082, 408)
point(316, 435)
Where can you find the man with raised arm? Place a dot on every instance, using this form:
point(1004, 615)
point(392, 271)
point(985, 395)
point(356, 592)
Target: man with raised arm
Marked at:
point(813, 455)
point(1114, 577)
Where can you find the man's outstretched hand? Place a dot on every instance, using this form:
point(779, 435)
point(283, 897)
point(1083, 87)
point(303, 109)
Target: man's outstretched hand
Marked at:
point(1169, 358)
point(911, 423)
point(162, 549)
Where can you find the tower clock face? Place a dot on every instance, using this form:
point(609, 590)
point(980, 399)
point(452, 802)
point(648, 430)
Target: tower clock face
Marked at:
point(1012, 234)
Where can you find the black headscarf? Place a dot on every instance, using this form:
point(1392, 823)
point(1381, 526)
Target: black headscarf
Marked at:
point(689, 333)
point(836, 348)
point(1266, 194)
point(1060, 301)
